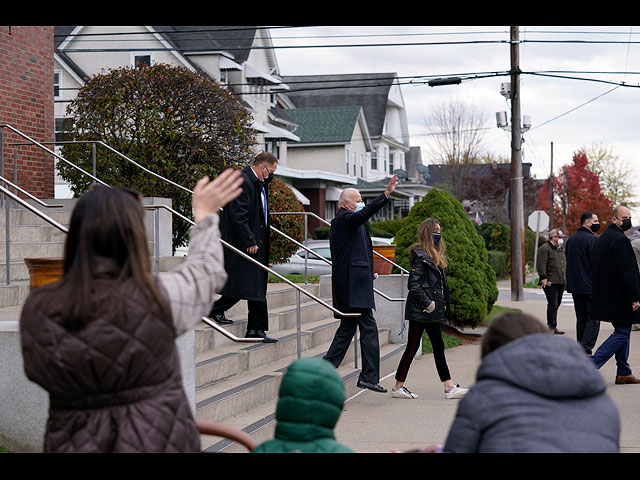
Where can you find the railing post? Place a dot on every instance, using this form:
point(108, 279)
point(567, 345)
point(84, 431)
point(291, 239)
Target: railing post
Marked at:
point(93, 147)
point(298, 324)
point(306, 254)
point(2, 198)
point(156, 237)
point(7, 247)
point(355, 349)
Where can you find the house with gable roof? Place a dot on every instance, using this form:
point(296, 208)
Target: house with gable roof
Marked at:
point(236, 56)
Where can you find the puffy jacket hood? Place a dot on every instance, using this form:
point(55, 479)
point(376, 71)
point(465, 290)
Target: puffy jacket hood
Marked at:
point(310, 401)
point(545, 364)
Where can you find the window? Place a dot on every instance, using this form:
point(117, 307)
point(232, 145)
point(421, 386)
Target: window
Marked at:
point(362, 165)
point(139, 59)
point(61, 126)
point(354, 164)
point(57, 83)
point(391, 163)
point(272, 147)
point(374, 159)
point(347, 159)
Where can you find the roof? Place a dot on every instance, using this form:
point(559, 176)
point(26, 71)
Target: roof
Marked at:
point(368, 90)
point(325, 125)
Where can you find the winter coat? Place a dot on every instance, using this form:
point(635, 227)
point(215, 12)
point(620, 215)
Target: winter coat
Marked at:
point(634, 238)
point(615, 278)
point(551, 264)
point(310, 402)
point(536, 394)
point(352, 257)
point(426, 283)
point(115, 384)
point(577, 251)
point(243, 224)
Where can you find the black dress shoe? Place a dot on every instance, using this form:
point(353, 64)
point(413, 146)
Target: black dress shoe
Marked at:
point(371, 386)
point(221, 319)
point(260, 334)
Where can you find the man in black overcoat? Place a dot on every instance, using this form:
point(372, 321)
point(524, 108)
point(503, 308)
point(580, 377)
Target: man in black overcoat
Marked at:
point(616, 292)
point(578, 250)
point(352, 282)
point(244, 223)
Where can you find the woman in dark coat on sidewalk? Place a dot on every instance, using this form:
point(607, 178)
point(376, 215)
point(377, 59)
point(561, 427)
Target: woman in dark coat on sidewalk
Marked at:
point(101, 341)
point(427, 307)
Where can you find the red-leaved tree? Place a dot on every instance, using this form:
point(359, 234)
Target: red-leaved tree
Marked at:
point(583, 193)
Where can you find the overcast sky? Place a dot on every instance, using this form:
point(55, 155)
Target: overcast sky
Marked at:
point(571, 113)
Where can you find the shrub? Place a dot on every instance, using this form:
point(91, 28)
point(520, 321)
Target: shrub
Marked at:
point(322, 233)
point(282, 199)
point(472, 281)
point(390, 226)
point(498, 262)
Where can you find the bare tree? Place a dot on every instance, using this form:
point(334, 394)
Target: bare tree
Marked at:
point(456, 132)
point(614, 173)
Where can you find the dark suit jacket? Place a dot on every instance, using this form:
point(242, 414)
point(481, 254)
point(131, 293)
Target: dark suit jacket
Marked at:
point(615, 278)
point(352, 257)
point(242, 224)
point(578, 249)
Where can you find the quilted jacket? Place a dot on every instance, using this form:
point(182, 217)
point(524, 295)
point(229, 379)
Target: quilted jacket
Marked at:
point(115, 385)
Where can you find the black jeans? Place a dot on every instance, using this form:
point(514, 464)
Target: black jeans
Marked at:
point(587, 328)
point(258, 318)
point(369, 344)
point(414, 341)
point(553, 293)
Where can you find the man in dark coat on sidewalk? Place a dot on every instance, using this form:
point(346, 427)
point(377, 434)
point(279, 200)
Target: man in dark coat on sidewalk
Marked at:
point(244, 223)
point(352, 282)
point(578, 251)
point(616, 292)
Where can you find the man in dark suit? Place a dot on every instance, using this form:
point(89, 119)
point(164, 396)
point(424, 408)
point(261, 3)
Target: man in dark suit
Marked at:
point(244, 223)
point(616, 292)
point(578, 251)
point(352, 282)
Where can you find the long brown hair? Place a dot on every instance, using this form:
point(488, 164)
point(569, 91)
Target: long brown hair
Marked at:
point(508, 327)
point(437, 253)
point(106, 222)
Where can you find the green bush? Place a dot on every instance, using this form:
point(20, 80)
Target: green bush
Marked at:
point(390, 226)
point(282, 199)
point(497, 237)
point(498, 262)
point(322, 233)
point(472, 281)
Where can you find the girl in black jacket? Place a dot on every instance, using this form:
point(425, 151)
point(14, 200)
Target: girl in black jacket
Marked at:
point(427, 306)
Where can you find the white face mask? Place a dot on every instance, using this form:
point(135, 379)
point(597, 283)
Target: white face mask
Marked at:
point(560, 242)
point(359, 206)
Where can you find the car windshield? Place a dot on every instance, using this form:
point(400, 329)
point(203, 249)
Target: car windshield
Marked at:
point(323, 251)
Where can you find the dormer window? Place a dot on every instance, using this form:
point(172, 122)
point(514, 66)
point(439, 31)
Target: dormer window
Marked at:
point(140, 59)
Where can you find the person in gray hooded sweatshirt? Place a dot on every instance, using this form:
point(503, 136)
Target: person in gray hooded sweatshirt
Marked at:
point(534, 393)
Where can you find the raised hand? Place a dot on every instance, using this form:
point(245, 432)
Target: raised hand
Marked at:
point(393, 183)
point(210, 196)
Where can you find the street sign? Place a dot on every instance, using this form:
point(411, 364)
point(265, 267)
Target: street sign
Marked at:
point(538, 221)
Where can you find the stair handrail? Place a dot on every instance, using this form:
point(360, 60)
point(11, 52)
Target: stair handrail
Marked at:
point(28, 194)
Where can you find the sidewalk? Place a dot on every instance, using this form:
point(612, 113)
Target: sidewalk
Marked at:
point(377, 423)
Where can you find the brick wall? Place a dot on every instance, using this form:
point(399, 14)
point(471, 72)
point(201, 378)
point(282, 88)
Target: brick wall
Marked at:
point(26, 103)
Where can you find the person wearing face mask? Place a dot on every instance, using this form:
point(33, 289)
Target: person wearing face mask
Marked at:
point(244, 223)
point(551, 268)
point(578, 253)
point(426, 308)
point(616, 293)
point(352, 282)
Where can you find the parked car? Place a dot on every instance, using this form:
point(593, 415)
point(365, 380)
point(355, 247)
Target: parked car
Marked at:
point(315, 266)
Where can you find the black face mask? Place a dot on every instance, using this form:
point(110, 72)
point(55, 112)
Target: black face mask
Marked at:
point(595, 227)
point(626, 224)
point(436, 238)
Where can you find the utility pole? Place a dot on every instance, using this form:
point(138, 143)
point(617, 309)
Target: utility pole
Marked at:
point(551, 191)
point(517, 210)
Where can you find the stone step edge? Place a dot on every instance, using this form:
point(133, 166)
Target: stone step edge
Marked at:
point(253, 428)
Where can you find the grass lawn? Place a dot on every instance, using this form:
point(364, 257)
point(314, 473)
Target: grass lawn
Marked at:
point(294, 277)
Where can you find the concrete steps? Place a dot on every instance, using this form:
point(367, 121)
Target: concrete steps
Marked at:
point(237, 384)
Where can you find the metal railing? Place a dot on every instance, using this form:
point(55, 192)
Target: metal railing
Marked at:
point(174, 212)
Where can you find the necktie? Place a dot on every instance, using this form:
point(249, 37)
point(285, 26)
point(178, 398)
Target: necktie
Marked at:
point(264, 205)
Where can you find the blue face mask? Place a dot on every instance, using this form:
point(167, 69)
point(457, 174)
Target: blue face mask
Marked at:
point(436, 238)
point(359, 206)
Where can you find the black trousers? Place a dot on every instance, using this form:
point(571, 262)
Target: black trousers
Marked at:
point(553, 293)
point(369, 344)
point(414, 341)
point(258, 315)
point(587, 329)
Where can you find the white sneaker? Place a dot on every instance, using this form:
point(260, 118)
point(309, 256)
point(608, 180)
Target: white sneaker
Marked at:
point(402, 392)
point(456, 392)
